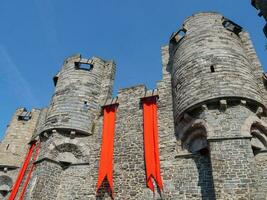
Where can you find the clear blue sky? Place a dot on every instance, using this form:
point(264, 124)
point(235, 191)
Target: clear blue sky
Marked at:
point(36, 36)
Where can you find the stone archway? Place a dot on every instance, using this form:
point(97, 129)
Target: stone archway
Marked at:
point(194, 136)
point(5, 185)
point(257, 130)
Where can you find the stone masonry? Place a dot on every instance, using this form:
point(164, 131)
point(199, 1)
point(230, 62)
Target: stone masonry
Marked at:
point(212, 124)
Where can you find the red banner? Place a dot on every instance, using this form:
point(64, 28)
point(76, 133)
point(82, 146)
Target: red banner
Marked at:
point(22, 173)
point(106, 157)
point(152, 161)
point(30, 172)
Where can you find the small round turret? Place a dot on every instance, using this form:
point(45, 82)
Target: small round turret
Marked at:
point(75, 102)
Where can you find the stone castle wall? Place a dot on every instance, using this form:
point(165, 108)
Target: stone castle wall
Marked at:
point(211, 121)
point(14, 147)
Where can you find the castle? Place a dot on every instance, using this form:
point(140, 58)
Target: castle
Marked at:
point(211, 119)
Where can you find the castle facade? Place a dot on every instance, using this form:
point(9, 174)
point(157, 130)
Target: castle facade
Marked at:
point(209, 126)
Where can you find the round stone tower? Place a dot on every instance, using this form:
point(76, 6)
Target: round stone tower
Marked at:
point(68, 130)
point(75, 102)
point(217, 97)
point(209, 62)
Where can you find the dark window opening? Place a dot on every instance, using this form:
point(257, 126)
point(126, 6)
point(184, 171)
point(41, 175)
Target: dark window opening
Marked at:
point(55, 79)
point(255, 150)
point(83, 66)
point(4, 193)
point(7, 147)
point(212, 69)
point(265, 30)
point(176, 37)
point(25, 116)
point(204, 151)
point(231, 26)
point(85, 104)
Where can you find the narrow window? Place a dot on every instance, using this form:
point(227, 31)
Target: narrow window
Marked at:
point(83, 66)
point(85, 105)
point(176, 37)
point(55, 79)
point(7, 147)
point(212, 69)
point(231, 26)
point(25, 116)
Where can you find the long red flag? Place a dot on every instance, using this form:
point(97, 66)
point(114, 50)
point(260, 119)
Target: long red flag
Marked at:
point(106, 157)
point(22, 172)
point(151, 142)
point(30, 172)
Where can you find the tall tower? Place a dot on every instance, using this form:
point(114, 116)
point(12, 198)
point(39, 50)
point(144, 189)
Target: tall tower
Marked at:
point(14, 147)
point(219, 109)
point(211, 116)
point(62, 169)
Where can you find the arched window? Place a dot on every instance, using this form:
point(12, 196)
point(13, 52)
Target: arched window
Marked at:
point(212, 69)
point(195, 140)
point(5, 185)
point(67, 154)
point(259, 138)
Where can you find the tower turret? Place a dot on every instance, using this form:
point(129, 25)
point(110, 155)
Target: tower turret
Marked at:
point(217, 95)
point(14, 146)
point(80, 88)
point(67, 130)
point(209, 63)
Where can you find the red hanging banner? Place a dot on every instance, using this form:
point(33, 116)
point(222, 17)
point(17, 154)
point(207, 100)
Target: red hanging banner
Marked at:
point(22, 172)
point(30, 172)
point(107, 148)
point(152, 161)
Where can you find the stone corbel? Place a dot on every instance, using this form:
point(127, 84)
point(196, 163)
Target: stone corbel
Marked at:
point(259, 111)
point(223, 104)
point(72, 134)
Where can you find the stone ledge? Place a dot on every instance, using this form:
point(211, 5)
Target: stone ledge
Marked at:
point(57, 162)
point(214, 139)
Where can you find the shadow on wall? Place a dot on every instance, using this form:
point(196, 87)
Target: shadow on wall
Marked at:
point(104, 192)
point(5, 185)
point(205, 177)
